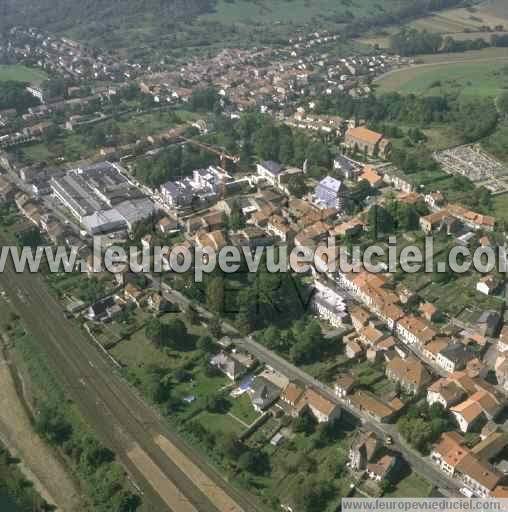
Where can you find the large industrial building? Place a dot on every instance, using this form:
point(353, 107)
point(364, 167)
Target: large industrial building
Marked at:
point(102, 198)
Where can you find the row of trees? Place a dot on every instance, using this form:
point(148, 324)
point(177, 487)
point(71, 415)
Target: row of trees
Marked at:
point(472, 118)
point(252, 301)
point(172, 163)
point(394, 217)
point(256, 137)
point(105, 480)
point(303, 341)
point(423, 424)
point(388, 107)
point(267, 140)
point(410, 41)
point(14, 95)
point(14, 484)
point(172, 334)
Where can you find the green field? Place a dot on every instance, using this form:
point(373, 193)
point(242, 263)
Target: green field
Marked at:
point(457, 295)
point(485, 76)
point(138, 126)
point(35, 153)
point(411, 486)
point(500, 207)
point(461, 23)
point(20, 73)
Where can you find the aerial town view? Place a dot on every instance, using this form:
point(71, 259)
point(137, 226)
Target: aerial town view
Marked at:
point(253, 255)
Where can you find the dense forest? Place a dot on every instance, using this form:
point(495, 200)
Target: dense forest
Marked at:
point(471, 118)
point(70, 12)
point(175, 24)
point(15, 95)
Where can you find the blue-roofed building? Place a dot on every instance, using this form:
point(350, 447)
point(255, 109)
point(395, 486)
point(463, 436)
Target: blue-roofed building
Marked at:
point(331, 193)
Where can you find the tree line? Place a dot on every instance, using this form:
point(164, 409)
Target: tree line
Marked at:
point(410, 41)
point(471, 118)
point(14, 95)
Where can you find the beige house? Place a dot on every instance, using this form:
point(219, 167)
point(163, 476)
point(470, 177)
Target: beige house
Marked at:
point(409, 373)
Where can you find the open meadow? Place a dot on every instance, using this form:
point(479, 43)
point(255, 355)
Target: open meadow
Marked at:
point(475, 73)
point(19, 73)
point(461, 24)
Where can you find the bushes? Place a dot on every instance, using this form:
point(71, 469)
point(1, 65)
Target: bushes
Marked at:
point(422, 425)
point(14, 484)
point(15, 95)
point(103, 480)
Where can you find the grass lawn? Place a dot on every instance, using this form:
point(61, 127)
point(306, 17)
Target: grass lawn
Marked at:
point(475, 78)
point(264, 433)
point(68, 147)
point(441, 137)
point(243, 410)
point(219, 423)
point(139, 126)
point(140, 357)
point(500, 207)
point(19, 73)
point(65, 283)
point(453, 23)
point(132, 326)
point(136, 352)
point(285, 479)
point(326, 369)
point(372, 376)
point(454, 296)
point(489, 12)
point(411, 486)
point(35, 153)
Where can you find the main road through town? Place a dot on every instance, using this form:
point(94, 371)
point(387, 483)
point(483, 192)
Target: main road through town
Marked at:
point(170, 474)
point(418, 463)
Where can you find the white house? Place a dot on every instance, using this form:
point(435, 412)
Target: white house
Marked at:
point(454, 357)
point(486, 285)
point(269, 170)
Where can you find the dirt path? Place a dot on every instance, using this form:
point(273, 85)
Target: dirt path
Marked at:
point(219, 497)
point(39, 464)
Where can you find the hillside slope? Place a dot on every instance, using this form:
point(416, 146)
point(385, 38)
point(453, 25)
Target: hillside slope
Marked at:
point(171, 27)
point(63, 14)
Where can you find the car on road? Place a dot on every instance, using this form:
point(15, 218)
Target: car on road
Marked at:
point(389, 440)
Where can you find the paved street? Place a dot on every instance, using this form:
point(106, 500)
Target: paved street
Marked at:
point(129, 426)
point(419, 464)
point(116, 413)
